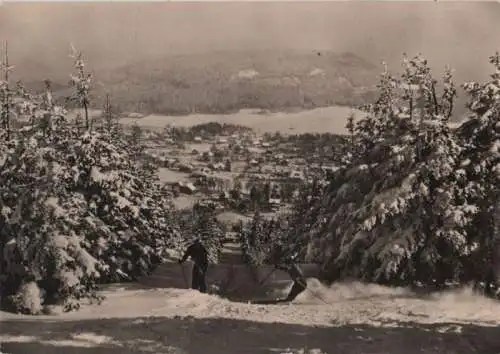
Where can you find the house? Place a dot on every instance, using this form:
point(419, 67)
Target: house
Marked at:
point(183, 167)
point(207, 155)
point(170, 163)
point(297, 175)
point(329, 169)
point(224, 196)
point(245, 192)
point(222, 140)
point(162, 161)
point(219, 166)
point(198, 139)
point(202, 172)
point(268, 170)
point(275, 201)
point(186, 188)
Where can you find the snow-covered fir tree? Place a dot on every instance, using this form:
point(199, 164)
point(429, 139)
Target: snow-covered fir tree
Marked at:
point(77, 209)
point(398, 213)
point(480, 172)
point(260, 238)
point(201, 222)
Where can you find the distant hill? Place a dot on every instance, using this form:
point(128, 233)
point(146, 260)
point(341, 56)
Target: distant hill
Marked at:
point(225, 82)
point(39, 86)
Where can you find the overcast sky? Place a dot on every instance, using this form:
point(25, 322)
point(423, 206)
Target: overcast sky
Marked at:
point(462, 34)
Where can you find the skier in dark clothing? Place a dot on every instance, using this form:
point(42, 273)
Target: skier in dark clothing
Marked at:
point(299, 281)
point(199, 255)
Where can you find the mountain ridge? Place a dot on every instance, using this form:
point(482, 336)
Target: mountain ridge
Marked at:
point(228, 81)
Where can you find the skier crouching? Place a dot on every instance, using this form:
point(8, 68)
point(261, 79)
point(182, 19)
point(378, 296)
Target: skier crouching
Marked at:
point(289, 266)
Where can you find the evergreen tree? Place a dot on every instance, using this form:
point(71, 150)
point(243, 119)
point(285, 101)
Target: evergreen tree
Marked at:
point(201, 221)
point(480, 173)
point(136, 136)
point(76, 209)
point(249, 238)
point(387, 216)
point(82, 82)
point(260, 237)
point(6, 92)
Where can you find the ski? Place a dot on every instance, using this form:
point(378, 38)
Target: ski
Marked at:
point(269, 302)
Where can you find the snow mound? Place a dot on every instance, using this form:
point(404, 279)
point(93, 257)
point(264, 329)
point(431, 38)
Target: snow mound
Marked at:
point(318, 293)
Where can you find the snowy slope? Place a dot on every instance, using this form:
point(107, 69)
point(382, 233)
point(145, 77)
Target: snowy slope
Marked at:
point(351, 318)
point(159, 316)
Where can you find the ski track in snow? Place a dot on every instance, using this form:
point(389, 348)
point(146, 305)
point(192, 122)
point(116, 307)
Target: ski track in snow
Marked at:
point(357, 319)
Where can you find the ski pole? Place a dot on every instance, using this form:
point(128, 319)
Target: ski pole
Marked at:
point(318, 297)
point(267, 277)
point(312, 292)
point(183, 275)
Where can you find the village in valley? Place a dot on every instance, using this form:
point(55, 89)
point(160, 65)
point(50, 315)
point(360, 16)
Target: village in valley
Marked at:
point(235, 169)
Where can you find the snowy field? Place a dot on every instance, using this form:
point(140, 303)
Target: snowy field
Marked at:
point(169, 176)
point(351, 318)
